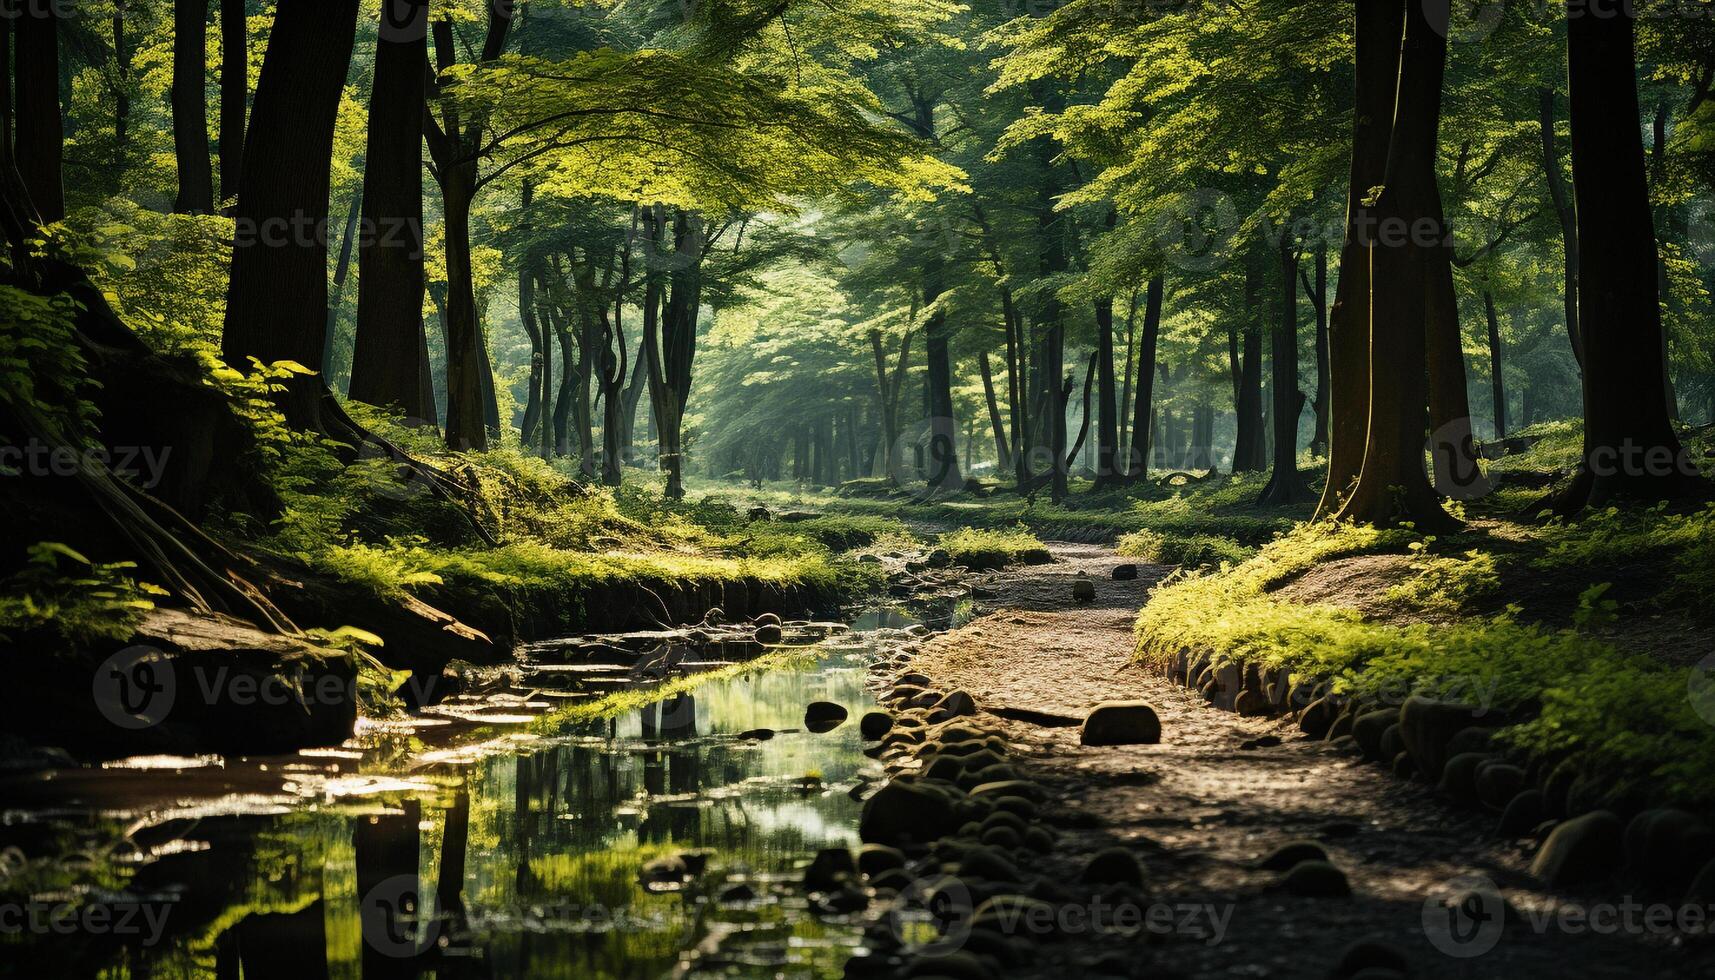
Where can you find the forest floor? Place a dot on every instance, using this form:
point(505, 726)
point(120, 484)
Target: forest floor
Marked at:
point(1201, 809)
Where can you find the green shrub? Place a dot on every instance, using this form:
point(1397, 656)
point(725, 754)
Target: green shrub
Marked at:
point(990, 549)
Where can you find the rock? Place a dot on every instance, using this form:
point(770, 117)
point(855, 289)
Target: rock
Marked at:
point(1667, 847)
point(1370, 955)
point(873, 859)
point(1459, 775)
point(1260, 742)
point(945, 767)
point(1083, 591)
point(905, 813)
point(757, 734)
point(1341, 728)
point(1010, 787)
point(759, 514)
point(1017, 915)
point(768, 619)
point(987, 863)
point(1286, 856)
point(1002, 837)
point(868, 559)
point(1523, 812)
point(738, 894)
point(1583, 849)
point(1250, 704)
point(1391, 743)
point(1368, 728)
point(1427, 727)
point(1113, 866)
point(844, 899)
point(768, 634)
point(824, 716)
point(1404, 766)
point(1125, 573)
point(957, 704)
point(1121, 723)
point(798, 516)
point(1016, 804)
point(939, 558)
point(874, 724)
point(1316, 879)
point(1317, 717)
point(830, 867)
point(1039, 840)
point(665, 874)
point(1498, 783)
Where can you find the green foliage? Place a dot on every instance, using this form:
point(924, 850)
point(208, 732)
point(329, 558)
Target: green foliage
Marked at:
point(79, 601)
point(998, 548)
point(1193, 550)
point(1447, 585)
point(42, 369)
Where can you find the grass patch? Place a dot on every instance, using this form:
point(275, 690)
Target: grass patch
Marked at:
point(1192, 551)
point(981, 548)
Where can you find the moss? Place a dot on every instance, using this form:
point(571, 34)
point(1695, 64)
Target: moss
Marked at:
point(1192, 550)
point(989, 549)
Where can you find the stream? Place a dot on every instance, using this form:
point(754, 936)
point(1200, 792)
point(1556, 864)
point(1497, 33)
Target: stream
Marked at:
point(519, 829)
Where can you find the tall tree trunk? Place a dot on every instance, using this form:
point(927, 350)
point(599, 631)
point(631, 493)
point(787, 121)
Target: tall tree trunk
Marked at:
point(1452, 443)
point(277, 302)
point(190, 107)
point(1379, 28)
point(1658, 170)
point(1319, 299)
point(467, 427)
point(1630, 449)
point(943, 471)
point(1125, 385)
point(1249, 450)
point(391, 276)
point(336, 294)
point(1107, 405)
point(1392, 486)
point(1566, 210)
point(545, 396)
point(527, 430)
point(1285, 485)
point(235, 94)
point(1137, 467)
point(1002, 443)
point(39, 136)
point(888, 389)
point(1497, 380)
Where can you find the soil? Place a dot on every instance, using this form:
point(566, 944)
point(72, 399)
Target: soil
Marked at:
point(1200, 809)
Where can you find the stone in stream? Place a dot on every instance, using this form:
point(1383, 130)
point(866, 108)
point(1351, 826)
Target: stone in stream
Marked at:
point(1286, 855)
point(830, 867)
point(768, 633)
point(666, 874)
point(1083, 590)
point(1113, 866)
point(874, 724)
point(1583, 849)
point(873, 859)
point(1316, 879)
point(824, 716)
point(1125, 573)
point(1121, 723)
point(906, 813)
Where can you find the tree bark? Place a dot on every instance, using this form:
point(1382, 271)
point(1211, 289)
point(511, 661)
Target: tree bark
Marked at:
point(234, 93)
point(1137, 467)
point(336, 293)
point(39, 135)
point(190, 107)
point(1631, 450)
point(1107, 405)
point(1249, 450)
point(1002, 443)
point(278, 298)
point(1379, 28)
point(1497, 380)
point(1286, 485)
point(1392, 486)
point(391, 276)
point(943, 473)
point(1565, 209)
point(1319, 300)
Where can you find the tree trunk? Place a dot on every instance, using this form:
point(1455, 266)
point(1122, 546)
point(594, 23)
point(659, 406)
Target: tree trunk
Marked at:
point(1658, 170)
point(1631, 451)
point(467, 427)
point(1379, 28)
point(1137, 467)
point(1002, 443)
point(190, 107)
point(234, 94)
point(1497, 380)
point(1319, 299)
point(1285, 485)
point(1452, 443)
point(336, 295)
point(545, 394)
point(277, 302)
point(527, 430)
point(390, 282)
point(943, 471)
point(121, 95)
point(1249, 450)
point(1125, 385)
point(1107, 405)
point(1392, 486)
point(39, 137)
point(1565, 209)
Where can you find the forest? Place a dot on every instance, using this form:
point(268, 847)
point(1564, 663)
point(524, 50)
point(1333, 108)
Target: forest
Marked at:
point(926, 489)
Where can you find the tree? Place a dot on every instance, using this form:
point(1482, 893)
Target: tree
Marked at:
point(1285, 485)
point(384, 366)
point(1630, 448)
point(190, 112)
point(39, 137)
point(234, 93)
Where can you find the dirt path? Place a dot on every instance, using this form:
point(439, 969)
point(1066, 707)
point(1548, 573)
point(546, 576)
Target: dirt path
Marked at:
point(1199, 810)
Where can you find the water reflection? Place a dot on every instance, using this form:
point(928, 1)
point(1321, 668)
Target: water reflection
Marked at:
point(528, 863)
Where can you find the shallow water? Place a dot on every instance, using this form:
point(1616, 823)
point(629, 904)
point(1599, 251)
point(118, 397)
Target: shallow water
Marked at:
point(517, 847)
